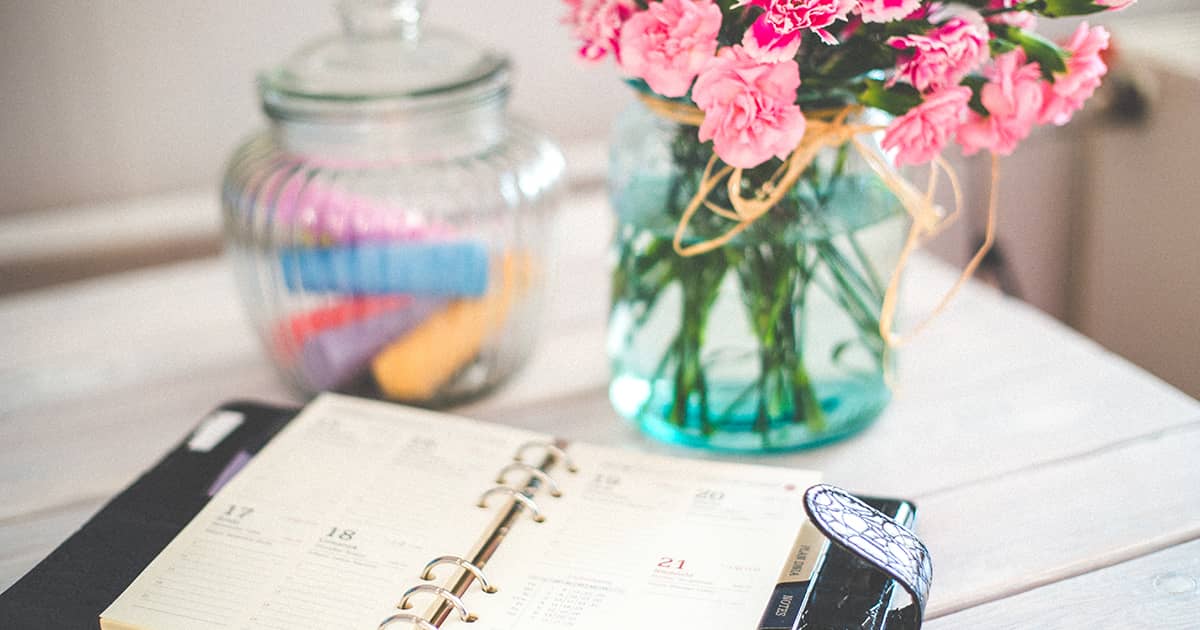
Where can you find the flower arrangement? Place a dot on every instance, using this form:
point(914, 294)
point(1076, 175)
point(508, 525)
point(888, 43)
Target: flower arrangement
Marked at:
point(770, 102)
point(972, 71)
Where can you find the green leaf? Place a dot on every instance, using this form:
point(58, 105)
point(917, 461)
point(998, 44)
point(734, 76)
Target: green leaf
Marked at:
point(896, 100)
point(1062, 8)
point(901, 28)
point(1049, 56)
point(839, 350)
point(854, 57)
point(1000, 46)
point(976, 83)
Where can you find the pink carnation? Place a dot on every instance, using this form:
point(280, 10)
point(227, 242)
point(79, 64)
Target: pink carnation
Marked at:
point(750, 110)
point(1013, 98)
point(919, 135)
point(886, 10)
point(670, 42)
point(944, 55)
point(597, 25)
point(1020, 19)
point(1116, 5)
point(1067, 94)
point(775, 35)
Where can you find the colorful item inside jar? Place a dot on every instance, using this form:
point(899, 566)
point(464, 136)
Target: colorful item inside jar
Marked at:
point(411, 311)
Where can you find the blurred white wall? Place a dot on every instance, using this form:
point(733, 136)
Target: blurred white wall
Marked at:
point(109, 99)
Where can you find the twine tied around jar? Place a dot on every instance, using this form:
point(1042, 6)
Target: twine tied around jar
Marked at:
point(829, 128)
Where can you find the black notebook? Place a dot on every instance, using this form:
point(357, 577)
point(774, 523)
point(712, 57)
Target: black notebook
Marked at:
point(346, 520)
point(86, 573)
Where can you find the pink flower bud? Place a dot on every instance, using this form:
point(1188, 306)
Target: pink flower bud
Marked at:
point(1013, 98)
point(668, 44)
point(1070, 90)
point(920, 135)
point(944, 55)
point(886, 10)
point(597, 25)
point(750, 110)
point(775, 34)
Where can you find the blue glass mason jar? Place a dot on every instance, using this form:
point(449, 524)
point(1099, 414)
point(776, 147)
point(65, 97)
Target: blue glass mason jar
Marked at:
point(771, 341)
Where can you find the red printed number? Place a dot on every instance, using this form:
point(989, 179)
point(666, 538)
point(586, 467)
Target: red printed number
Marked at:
point(670, 563)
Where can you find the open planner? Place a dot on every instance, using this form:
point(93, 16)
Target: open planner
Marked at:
point(362, 514)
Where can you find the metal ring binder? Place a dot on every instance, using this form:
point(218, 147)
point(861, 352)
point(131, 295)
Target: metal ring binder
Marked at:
point(515, 494)
point(450, 593)
point(427, 574)
point(440, 592)
point(415, 620)
point(557, 452)
point(534, 472)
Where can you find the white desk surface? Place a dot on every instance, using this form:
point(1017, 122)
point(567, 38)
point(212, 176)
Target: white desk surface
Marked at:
point(1058, 486)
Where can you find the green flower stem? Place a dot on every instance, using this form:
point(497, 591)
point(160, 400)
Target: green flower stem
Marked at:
point(700, 280)
point(845, 271)
point(775, 280)
point(790, 252)
point(839, 169)
point(864, 261)
point(865, 320)
point(804, 395)
point(659, 372)
point(847, 281)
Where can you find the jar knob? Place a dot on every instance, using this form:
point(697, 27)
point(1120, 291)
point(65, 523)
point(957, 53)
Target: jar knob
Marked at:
point(381, 18)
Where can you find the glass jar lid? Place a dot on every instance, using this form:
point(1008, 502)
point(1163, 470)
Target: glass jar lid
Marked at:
point(383, 63)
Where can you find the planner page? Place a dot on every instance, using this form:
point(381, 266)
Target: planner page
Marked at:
point(642, 542)
point(328, 525)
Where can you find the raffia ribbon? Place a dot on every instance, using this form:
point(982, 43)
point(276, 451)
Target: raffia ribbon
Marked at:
point(831, 129)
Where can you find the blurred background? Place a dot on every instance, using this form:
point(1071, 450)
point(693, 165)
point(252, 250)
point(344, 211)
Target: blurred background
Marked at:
point(116, 117)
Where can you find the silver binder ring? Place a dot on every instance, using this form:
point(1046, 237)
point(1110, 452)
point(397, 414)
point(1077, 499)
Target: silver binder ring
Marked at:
point(444, 594)
point(427, 574)
point(557, 452)
point(533, 472)
point(518, 496)
point(417, 622)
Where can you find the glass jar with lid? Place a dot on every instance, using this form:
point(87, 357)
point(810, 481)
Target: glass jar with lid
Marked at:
point(389, 228)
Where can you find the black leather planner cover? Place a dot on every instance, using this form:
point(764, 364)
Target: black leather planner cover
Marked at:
point(80, 578)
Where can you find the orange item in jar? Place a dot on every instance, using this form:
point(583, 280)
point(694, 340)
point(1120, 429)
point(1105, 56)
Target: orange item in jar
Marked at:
point(417, 365)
